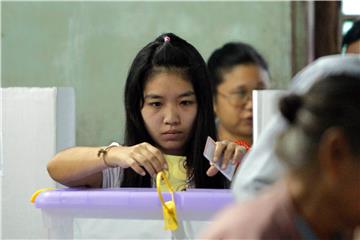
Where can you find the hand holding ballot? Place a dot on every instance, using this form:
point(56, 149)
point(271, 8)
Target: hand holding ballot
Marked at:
point(224, 156)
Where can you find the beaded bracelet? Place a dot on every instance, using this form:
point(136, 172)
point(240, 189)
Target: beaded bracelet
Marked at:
point(104, 151)
point(243, 144)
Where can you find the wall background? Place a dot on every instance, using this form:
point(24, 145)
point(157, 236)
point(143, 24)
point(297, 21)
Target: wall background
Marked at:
point(90, 46)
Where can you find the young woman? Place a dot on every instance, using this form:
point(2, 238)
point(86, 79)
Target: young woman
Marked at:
point(168, 112)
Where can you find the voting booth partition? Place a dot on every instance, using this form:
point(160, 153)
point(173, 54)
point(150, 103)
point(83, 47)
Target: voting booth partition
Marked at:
point(35, 124)
point(126, 212)
point(265, 106)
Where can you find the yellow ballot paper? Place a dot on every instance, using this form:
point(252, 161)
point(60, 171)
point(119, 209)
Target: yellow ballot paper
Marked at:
point(176, 173)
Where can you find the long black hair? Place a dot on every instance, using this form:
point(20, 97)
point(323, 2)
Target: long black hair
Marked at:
point(169, 52)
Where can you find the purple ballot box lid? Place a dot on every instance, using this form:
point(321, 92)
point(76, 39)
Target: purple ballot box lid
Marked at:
point(144, 203)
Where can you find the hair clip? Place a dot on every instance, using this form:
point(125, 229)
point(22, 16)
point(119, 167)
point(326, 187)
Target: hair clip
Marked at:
point(166, 39)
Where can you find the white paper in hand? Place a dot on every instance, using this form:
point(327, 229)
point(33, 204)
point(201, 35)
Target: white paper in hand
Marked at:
point(209, 154)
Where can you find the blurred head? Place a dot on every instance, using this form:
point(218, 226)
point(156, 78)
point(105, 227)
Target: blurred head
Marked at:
point(351, 40)
point(236, 69)
point(322, 142)
point(168, 104)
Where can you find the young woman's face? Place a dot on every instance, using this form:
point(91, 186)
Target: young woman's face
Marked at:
point(233, 105)
point(169, 110)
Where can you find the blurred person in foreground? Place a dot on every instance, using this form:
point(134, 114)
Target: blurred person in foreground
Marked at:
point(319, 141)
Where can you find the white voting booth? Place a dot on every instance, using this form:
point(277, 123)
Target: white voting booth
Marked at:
point(35, 124)
point(265, 105)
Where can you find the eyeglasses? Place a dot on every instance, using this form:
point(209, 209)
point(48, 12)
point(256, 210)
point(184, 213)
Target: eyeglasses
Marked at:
point(237, 98)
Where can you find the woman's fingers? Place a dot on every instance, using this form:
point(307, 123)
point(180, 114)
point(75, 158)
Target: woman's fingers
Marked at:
point(157, 158)
point(224, 150)
point(144, 162)
point(240, 151)
point(136, 167)
point(229, 152)
point(145, 156)
point(219, 150)
point(212, 171)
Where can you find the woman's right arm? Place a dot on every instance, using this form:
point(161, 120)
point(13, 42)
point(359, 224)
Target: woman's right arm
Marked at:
point(77, 166)
point(81, 166)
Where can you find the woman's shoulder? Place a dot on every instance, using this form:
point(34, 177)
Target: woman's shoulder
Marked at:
point(270, 215)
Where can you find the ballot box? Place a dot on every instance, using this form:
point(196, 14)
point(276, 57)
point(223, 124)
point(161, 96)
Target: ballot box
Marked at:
point(124, 213)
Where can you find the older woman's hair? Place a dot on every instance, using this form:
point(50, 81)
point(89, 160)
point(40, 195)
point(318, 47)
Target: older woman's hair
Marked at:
point(331, 102)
